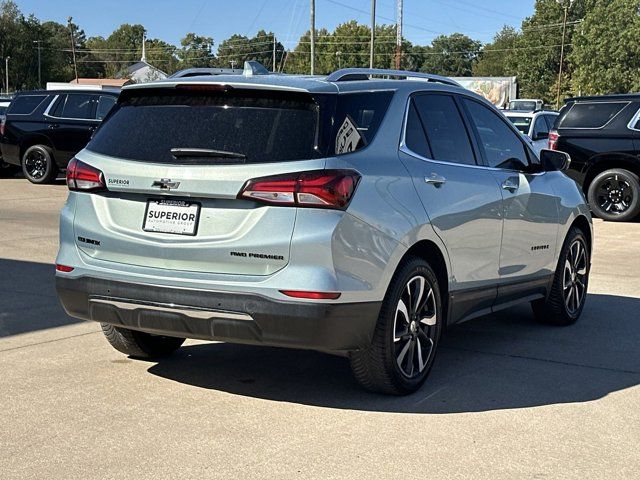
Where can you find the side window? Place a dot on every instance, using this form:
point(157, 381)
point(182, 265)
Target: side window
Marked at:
point(591, 114)
point(446, 133)
point(415, 138)
point(56, 111)
point(540, 128)
point(105, 104)
point(502, 146)
point(25, 104)
point(76, 105)
point(551, 120)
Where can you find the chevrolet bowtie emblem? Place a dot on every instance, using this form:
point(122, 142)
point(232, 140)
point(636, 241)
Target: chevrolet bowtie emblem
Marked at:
point(165, 184)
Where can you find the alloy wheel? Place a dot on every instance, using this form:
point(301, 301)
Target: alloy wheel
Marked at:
point(614, 195)
point(414, 327)
point(574, 277)
point(35, 164)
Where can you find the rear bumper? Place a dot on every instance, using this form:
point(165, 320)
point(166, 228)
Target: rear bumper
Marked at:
point(208, 315)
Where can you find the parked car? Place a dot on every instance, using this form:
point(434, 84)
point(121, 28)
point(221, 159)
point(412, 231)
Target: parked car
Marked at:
point(602, 135)
point(44, 129)
point(349, 214)
point(5, 168)
point(526, 104)
point(535, 125)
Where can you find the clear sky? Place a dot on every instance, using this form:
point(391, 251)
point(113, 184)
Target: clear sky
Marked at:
point(169, 20)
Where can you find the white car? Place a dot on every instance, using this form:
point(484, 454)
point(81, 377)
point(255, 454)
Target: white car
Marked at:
point(535, 125)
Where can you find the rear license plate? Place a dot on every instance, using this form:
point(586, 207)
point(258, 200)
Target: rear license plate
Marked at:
point(171, 216)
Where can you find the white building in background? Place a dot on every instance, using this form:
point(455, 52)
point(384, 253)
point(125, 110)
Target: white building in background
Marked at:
point(142, 71)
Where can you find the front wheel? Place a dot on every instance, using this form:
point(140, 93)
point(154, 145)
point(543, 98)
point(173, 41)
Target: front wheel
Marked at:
point(407, 333)
point(614, 195)
point(140, 344)
point(566, 300)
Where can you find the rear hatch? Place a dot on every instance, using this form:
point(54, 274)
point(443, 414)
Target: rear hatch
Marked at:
point(174, 161)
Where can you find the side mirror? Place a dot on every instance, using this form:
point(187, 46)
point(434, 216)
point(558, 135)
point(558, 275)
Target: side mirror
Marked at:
point(540, 136)
point(554, 161)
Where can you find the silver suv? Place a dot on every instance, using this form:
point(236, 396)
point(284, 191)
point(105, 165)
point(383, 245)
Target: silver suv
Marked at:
point(358, 214)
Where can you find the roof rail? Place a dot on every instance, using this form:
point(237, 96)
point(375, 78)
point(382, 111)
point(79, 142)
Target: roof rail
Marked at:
point(346, 74)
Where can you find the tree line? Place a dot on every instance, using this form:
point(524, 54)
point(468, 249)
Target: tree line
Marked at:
point(601, 50)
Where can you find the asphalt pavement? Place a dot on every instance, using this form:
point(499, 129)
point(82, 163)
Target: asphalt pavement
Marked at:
point(507, 399)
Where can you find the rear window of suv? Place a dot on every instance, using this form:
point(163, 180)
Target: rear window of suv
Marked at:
point(25, 104)
point(590, 114)
point(255, 125)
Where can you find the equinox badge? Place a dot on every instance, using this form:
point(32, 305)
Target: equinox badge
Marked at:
point(165, 184)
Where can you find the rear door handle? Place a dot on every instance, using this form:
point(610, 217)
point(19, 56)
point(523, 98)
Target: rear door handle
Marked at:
point(53, 125)
point(509, 184)
point(435, 180)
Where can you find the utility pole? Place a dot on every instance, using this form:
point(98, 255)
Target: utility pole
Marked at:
point(567, 5)
point(373, 31)
point(73, 48)
point(399, 36)
point(313, 36)
point(273, 66)
point(6, 73)
point(39, 65)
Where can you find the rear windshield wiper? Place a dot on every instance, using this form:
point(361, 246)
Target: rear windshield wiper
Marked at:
point(207, 153)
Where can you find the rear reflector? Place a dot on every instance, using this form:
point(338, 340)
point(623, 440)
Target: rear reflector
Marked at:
point(2, 127)
point(317, 189)
point(311, 295)
point(63, 268)
point(553, 140)
point(83, 177)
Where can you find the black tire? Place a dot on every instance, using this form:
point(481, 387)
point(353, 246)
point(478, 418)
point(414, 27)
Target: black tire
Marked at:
point(380, 367)
point(140, 344)
point(38, 165)
point(614, 195)
point(568, 294)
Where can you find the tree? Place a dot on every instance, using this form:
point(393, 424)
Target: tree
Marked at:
point(236, 50)
point(606, 57)
point(196, 51)
point(536, 59)
point(494, 57)
point(451, 55)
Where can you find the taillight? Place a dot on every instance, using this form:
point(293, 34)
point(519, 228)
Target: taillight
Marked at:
point(2, 126)
point(553, 140)
point(83, 177)
point(318, 188)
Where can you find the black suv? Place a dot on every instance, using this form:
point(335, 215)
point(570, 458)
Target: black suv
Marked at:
point(44, 129)
point(602, 135)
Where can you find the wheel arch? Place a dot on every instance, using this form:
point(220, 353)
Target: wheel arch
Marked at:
point(32, 140)
point(431, 253)
point(584, 225)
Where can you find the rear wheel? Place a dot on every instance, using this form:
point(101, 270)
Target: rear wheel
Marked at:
point(568, 293)
point(614, 195)
point(140, 344)
point(38, 165)
point(407, 333)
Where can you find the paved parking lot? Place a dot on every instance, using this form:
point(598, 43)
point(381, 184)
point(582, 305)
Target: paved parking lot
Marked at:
point(507, 398)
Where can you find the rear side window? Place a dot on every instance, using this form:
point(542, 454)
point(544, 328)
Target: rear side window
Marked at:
point(25, 104)
point(591, 115)
point(247, 126)
point(446, 134)
point(105, 104)
point(75, 105)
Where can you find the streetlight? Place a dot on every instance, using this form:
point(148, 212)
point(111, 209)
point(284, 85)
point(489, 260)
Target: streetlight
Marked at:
point(339, 62)
point(566, 4)
point(6, 73)
point(39, 64)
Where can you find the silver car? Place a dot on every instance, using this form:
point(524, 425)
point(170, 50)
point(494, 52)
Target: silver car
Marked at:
point(359, 214)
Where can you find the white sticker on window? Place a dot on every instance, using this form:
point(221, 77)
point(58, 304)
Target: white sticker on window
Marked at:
point(348, 137)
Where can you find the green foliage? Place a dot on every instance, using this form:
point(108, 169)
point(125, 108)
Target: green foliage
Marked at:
point(234, 51)
point(495, 56)
point(452, 55)
point(196, 51)
point(606, 56)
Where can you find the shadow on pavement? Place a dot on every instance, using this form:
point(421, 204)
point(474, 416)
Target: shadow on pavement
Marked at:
point(503, 361)
point(28, 300)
